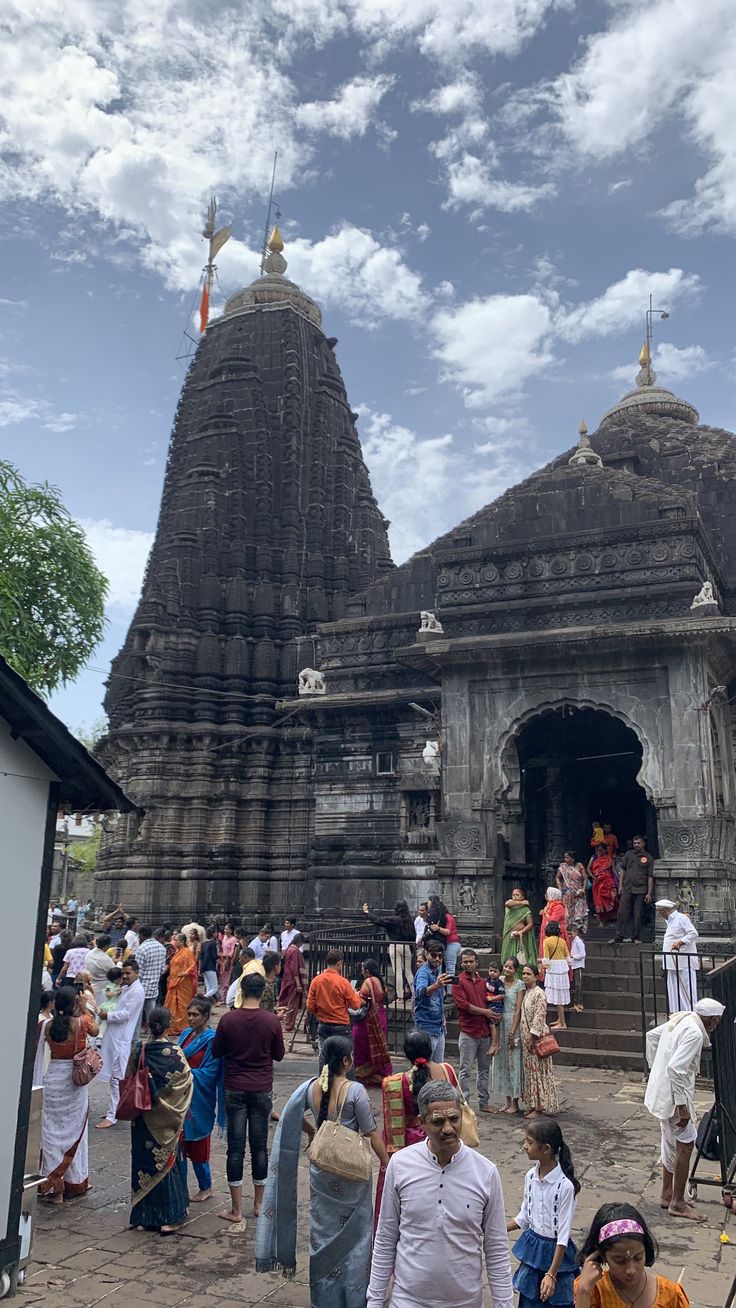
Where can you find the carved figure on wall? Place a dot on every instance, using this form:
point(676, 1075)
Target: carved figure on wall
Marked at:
point(428, 622)
point(431, 753)
point(686, 900)
point(467, 897)
point(704, 596)
point(311, 682)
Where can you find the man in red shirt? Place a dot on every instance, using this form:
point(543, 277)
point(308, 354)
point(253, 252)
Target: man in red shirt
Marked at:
point(469, 994)
point(330, 998)
point(249, 1040)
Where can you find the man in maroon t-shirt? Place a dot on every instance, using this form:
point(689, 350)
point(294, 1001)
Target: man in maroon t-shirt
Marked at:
point(250, 1041)
point(474, 1017)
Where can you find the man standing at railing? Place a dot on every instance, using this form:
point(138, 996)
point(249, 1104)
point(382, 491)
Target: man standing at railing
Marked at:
point(679, 957)
point(673, 1054)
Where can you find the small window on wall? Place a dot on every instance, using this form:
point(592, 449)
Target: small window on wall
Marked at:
point(384, 764)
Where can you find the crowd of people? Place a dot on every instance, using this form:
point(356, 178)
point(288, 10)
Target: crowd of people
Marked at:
point(436, 1193)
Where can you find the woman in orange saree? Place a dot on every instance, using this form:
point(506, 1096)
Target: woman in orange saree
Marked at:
point(370, 1045)
point(182, 986)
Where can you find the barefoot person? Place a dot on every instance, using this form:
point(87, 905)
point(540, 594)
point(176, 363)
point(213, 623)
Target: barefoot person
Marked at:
point(673, 1054)
point(159, 1182)
point(208, 1094)
point(249, 1040)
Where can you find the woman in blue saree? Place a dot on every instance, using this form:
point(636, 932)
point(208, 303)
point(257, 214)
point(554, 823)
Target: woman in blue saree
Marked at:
point(159, 1187)
point(208, 1097)
point(340, 1211)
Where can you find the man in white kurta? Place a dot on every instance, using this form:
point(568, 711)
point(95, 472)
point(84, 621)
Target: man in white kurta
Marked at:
point(442, 1214)
point(673, 1054)
point(679, 957)
point(118, 1029)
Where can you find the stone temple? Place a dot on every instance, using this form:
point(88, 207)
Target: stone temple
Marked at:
point(566, 654)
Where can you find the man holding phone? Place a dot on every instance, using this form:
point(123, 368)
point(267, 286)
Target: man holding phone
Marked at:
point(429, 999)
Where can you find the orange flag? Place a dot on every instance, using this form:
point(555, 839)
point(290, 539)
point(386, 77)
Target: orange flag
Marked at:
point(204, 308)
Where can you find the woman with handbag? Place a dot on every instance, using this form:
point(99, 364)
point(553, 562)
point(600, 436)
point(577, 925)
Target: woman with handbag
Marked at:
point(370, 1029)
point(160, 1199)
point(540, 1091)
point(340, 1209)
point(64, 1142)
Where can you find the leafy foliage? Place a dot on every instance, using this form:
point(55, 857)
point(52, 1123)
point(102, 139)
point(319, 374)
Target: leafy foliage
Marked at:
point(52, 594)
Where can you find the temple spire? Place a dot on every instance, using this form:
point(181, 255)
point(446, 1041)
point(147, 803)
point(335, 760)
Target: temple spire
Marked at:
point(585, 456)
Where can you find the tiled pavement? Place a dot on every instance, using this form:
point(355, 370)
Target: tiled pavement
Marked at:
point(85, 1254)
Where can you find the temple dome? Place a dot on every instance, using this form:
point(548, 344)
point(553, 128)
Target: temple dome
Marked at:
point(648, 398)
point(272, 289)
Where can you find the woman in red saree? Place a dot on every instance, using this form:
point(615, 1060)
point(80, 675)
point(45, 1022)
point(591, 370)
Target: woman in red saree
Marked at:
point(605, 886)
point(553, 911)
point(370, 1044)
point(182, 986)
point(293, 983)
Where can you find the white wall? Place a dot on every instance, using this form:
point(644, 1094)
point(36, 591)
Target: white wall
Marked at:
point(23, 806)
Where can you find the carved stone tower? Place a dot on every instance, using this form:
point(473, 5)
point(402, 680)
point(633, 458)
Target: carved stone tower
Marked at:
point(267, 526)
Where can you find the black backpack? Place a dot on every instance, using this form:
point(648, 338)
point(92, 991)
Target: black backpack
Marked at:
point(708, 1141)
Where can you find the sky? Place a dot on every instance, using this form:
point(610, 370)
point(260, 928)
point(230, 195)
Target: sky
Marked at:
point(481, 197)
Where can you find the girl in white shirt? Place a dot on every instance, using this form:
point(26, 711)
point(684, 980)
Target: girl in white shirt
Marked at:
point(548, 1262)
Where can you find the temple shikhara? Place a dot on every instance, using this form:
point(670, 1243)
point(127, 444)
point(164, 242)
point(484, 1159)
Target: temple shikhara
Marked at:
point(306, 726)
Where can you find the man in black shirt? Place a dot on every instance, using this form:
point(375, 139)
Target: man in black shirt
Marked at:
point(208, 964)
point(637, 889)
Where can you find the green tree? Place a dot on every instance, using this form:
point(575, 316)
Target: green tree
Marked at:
point(52, 594)
point(83, 854)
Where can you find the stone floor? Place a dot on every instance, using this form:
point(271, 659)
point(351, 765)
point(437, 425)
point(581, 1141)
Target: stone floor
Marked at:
point(85, 1254)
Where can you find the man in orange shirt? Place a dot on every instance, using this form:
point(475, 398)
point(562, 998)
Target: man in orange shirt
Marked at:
point(610, 840)
point(330, 998)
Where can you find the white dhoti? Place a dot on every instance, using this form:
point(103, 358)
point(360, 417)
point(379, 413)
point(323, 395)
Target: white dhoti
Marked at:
point(682, 989)
point(672, 1135)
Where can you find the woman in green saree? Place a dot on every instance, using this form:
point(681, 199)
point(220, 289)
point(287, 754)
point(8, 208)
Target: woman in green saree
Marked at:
point(518, 930)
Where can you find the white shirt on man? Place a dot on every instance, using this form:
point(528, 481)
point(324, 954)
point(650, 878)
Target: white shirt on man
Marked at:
point(577, 953)
point(261, 947)
point(132, 939)
point(118, 1031)
point(673, 1054)
point(436, 1225)
point(679, 927)
point(548, 1206)
point(98, 964)
point(420, 926)
point(287, 937)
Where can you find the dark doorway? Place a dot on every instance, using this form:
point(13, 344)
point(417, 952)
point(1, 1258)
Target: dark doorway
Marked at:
point(579, 766)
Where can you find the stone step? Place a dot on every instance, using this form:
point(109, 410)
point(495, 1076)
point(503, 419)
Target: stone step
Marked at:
point(620, 1060)
point(603, 1038)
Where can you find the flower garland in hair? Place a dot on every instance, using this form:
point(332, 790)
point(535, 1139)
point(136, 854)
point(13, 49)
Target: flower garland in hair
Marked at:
point(324, 1079)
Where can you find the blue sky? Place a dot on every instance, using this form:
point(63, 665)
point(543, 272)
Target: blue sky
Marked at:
point(480, 196)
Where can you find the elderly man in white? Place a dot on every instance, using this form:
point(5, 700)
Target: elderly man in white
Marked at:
point(673, 1054)
point(117, 1035)
point(679, 957)
point(442, 1212)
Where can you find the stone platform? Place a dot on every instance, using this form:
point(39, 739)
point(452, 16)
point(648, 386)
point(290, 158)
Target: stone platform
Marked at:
point(85, 1255)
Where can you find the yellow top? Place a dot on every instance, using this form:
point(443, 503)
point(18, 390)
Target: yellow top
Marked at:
point(276, 241)
point(645, 357)
point(554, 948)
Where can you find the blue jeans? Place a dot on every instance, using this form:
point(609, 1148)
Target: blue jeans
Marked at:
point(438, 1047)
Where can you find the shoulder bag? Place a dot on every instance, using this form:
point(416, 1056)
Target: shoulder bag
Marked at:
point(469, 1125)
point(546, 1045)
point(340, 1151)
point(86, 1062)
point(135, 1092)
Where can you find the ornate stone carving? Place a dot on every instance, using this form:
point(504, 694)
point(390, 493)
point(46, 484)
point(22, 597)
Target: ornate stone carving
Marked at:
point(459, 839)
point(311, 682)
point(431, 754)
point(428, 622)
point(705, 601)
point(467, 897)
point(687, 901)
point(685, 837)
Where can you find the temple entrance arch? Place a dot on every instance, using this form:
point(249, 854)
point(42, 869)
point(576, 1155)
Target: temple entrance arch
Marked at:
point(571, 766)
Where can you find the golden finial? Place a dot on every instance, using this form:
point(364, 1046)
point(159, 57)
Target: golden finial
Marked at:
point(583, 428)
point(645, 357)
point(275, 241)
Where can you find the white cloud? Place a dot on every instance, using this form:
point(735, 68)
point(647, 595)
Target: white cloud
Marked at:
point(621, 185)
point(462, 96)
point(349, 113)
point(490, 347)
point(17, 408)
point(653, 64)
point(121, 554)
point(624, 303)
point(350, 269)
point(452, 32)
point(426, 485)
point(671, 363)
point(471, 182)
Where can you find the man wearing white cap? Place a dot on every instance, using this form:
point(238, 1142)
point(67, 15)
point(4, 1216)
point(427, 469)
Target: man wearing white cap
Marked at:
point(673, 1055)
point(679, 957)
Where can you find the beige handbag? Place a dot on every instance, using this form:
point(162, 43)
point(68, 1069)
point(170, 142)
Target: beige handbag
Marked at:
point(337, 1149)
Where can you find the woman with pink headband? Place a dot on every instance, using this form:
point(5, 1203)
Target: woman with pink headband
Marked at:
point(617, 1257)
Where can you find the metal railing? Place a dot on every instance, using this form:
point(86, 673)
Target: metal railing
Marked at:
point(720, 984)
point(355, 950)
point(672, 982)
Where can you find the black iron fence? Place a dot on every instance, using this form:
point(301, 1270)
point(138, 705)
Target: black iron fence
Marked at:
point(720, 1143)
point(396, 964)
point(672, 982)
